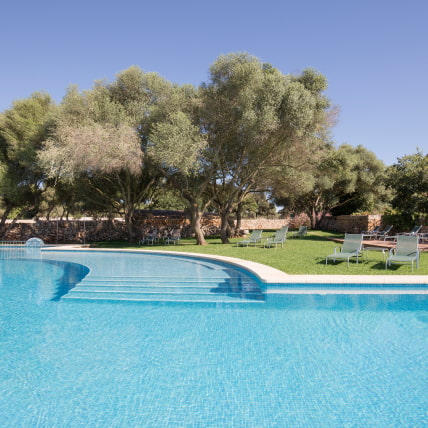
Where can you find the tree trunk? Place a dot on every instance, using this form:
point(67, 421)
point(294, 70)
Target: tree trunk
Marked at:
point(195, 215)
point(238, 219)
point(230, 227)
point(313, 217)
point(224, 229)
point(129, 216)
point(3, 228)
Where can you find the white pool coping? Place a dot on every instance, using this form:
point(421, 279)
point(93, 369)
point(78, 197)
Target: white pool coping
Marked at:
point(269, 275)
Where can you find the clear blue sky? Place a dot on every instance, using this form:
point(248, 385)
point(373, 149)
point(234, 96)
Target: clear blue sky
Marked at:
point(374, 53)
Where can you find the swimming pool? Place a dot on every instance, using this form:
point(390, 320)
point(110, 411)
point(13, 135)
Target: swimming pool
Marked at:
point(305, 360)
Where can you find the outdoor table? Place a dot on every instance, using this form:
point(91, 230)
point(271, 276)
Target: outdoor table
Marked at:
point(369, 235)
point(384, 251)
point(423, 237)
point(393, 237)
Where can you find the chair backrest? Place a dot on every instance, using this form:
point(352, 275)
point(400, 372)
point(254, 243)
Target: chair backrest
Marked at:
point(406, 245)
point(303, 229)
point(415, 230)
point(281, 234)
point(176, 233)
point(386, 230)
point(352, 242)
point(256, 234)
point(285, 228)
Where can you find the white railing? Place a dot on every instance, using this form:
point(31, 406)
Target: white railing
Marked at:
point(30, 249)
point(12, 243)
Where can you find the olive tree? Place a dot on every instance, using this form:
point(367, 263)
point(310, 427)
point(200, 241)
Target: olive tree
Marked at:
point(259, 121)
point(408, 179)
point(179, 151)
point(95, 145)
point(343, 181)
point(23, 128)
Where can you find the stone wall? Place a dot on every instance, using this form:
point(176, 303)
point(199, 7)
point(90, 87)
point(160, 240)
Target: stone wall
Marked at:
point(70, 231)
point(164, 221)
point(271, 224)
point(89, 230)
point(351, 223)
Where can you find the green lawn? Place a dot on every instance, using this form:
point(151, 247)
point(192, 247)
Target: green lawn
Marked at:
point(299, 256)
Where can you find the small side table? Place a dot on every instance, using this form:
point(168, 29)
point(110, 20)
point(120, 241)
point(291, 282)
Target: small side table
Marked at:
point(383, 250)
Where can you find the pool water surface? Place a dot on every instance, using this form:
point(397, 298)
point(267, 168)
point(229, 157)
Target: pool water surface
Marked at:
point(279, 361)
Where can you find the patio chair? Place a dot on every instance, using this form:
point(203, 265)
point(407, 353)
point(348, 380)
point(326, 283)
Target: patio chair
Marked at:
point(371, 233)
point(406, 251)
point(413, 232)
point(351, 247)
point(174, 238)
point(384, 233)
point(150, 238)
point(303, 230)
point(254, 238)
point(278, 238)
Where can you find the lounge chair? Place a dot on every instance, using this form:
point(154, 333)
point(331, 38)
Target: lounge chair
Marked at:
point(278, 238)
point(406, 251)
point(384, 233)
point(371, 233)
point(150, 238)
point(303, 230)
point(351, 247)
point(413, 232)
point(254, 238)
point(174, 238)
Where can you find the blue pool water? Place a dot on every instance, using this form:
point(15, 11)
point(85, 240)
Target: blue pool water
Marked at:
point(250, 360)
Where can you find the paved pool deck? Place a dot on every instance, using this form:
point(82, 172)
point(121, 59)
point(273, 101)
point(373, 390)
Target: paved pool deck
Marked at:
point(278, 282)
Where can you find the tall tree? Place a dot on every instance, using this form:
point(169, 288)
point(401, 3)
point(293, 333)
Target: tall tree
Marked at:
point(179, 152)
point(258, 120)
point(96, 144)
point(344, 181)
point(408, 178)
point(22, 131)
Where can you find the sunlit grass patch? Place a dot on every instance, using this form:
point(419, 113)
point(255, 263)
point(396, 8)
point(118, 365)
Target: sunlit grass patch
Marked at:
point(305, 255)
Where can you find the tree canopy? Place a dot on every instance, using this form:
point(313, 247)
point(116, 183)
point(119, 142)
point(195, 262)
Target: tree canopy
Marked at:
point(343, 181)
point(408, 178)
point(22, 131)
point(247, 134)
point(93, 144)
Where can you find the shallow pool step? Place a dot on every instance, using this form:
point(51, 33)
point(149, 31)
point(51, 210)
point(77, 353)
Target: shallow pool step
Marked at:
point(160, 297)
point(166, 289)
point(161, 282)
point(148, 288)
point(160, 279)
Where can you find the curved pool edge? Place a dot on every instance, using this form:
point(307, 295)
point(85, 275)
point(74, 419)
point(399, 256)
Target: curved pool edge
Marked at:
point(275, 278)
point(265, 274)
